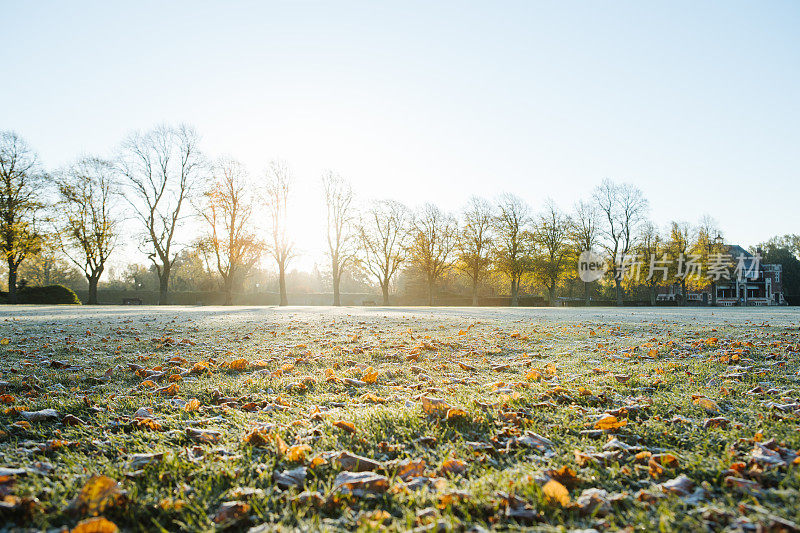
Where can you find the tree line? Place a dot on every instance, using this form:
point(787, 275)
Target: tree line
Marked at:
point(162, 179)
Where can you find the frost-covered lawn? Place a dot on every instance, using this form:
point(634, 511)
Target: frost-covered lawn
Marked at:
point(319, 418)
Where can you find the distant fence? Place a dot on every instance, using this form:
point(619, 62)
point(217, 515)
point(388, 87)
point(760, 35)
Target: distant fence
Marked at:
point(117, 297)
point(120, 297)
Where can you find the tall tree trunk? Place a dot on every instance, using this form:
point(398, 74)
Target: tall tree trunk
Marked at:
point(586, 292)
point(93, 279)
point(618, 285)
point(336, 279)
point(336, 295)
point(228, 286)
point(12, 282)
point(474, 293)
point(163, 287)
point(514, 293)
point(385, 291)
point(551, 295)
point(282, 283)
point(713, 293)
point(652, 295)
point(430, 293)
point(684, 296)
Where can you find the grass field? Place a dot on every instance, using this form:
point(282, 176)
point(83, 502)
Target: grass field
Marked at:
point(314, 418)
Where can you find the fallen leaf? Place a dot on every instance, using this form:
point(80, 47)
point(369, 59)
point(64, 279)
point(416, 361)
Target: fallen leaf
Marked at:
point(95, 525)
point(557, 492)
point(97, 495)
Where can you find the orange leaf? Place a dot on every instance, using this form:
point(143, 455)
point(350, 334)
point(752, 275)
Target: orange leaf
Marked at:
point(95, 525)
point(557, 492)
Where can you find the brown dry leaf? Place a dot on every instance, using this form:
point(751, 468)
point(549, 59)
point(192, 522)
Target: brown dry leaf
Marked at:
point(681, 486)
point(171, 504)
point(346, 426)
point(199, 367)
point(465, 366)
point(564, 475)
point(366, 481)
point(410, 468)
point(557, 492)
point(657, 463)
point(230, 513)
point(146, 423)
point(607, 422)
point(357, 463)
point(291, 478)
point(95, 525)
point(45, 415)
point(453, 466)
point(169, 390)
point(204, 436)
point(262, 437)
point(99, 493)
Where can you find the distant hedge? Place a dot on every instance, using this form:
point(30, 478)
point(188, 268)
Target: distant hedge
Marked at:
point(51, 294)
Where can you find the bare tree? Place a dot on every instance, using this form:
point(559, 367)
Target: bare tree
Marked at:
point(88, 217)
point(341, 233)
point(227, 208)
point(550, 235)
point(584, 233)
point(434, 237)
point(276, 192)
point(623, 208)
point(475, 242)
point(162, 168)
point(383, 232)
point(513, 241)
point(20, 189)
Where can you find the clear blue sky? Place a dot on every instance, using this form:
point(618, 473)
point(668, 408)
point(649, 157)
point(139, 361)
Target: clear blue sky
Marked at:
point(695, 102)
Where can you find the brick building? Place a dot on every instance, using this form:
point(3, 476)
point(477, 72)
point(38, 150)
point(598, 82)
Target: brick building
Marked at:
point(758, 285)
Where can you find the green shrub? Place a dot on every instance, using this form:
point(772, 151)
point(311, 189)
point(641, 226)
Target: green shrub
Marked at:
point(52, 294)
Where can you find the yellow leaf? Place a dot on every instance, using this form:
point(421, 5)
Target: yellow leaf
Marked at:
point(192, 405)
point(370, 375)
point(5, 341)
point(533, 375)
point(555, 491)
point(454, 412)
point(707, 404)
point(95, 525)
point(370, 397)
point(607, 421)
point(297, 452)
point(434, 406)
point(237, 364)
point(99, 493)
